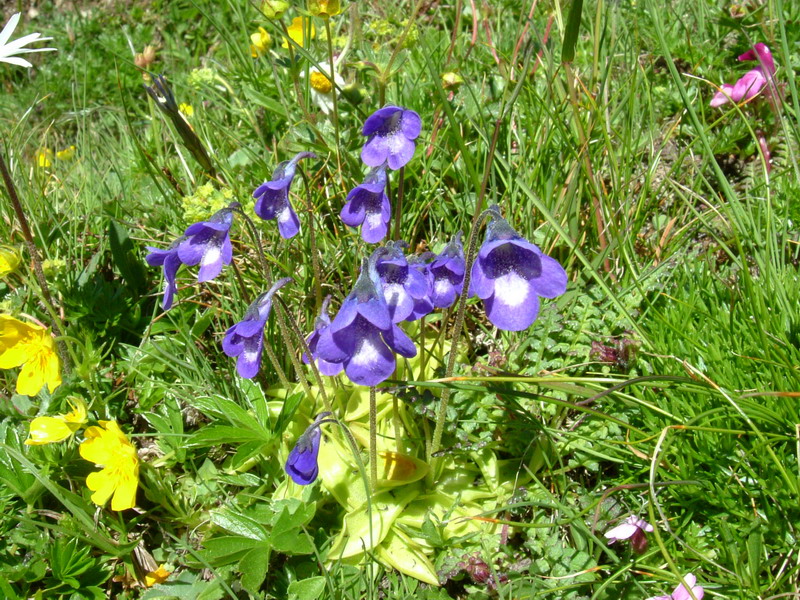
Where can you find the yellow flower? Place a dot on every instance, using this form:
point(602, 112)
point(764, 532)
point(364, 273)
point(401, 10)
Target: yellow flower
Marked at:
point(66, 153)
point(44, 157)
point(48, 430)
point(297, 31)
point(274, 9)
point(31, 347)
point(158, 576)
point(186, 109)
point(110, 449)
point(324, 8)
point(261, 42)
point(9, 260)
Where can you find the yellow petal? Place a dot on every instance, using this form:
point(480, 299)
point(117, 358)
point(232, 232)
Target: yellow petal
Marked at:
point(10, 259)
point(40, 368)
point(66, 153)
point(158, 576)
point(78, 413)
point(96, 448)
point(102, 484)
point(109, 447)
point(31, 379)
point(297, 31)
point(48, 430)
point(125, 494)
point(14, 356)
point(43, 157)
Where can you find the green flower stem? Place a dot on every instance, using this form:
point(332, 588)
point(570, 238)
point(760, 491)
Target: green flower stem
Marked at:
point(398, 208)
point(477, 219)
point(315, 371)
point(312, 238)
point(11, 190)
point(373, 439)
point(396, 423)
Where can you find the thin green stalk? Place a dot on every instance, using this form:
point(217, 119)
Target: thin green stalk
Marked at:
point(373, 439)
point(335, 94)
point(312, 237)
point(315, 371)
point(462, 304)
point(396, 423)
point(50, 306)
point(398, 207)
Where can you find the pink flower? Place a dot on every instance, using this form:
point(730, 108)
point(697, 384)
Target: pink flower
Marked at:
point(752, 82)
point(681, 593)
point(634, 529)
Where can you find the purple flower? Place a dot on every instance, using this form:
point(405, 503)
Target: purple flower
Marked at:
point(362, 336)
point(169, 260)
point(320, 326)
point(391, 132)
point(208, 244)
point(509, 275)
point(368, 206)
point(447, 273)
point(402, 285)
point(245, 339)
point(681, 593)
point(423, 305)
point(751, 83)
point(302, 465)
point(272, 197)
point(633, 529)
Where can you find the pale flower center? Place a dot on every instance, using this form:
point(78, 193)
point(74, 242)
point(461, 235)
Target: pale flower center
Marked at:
point(321, 83)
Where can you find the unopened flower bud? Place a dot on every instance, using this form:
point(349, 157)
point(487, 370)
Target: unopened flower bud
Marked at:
point(274, 9)
point(451, 81)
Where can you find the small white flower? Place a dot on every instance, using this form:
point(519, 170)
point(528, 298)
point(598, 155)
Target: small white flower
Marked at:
point(9, 50)
point(322, 89)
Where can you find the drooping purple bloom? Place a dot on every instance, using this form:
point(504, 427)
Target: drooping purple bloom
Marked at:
point(208, 244)
point(447, 273)
point(245, 339)
point(751, 83)
point(509, 274)
point(402, 285)
point(302, 465)
point(362, 336)
point(633, 529)
point(368, 206)
point(681, 593)
point(272, 197)
point(391, 132)
point(171, 262)
point(321, 325)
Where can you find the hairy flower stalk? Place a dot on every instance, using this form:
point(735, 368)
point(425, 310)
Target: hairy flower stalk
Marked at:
point(373, 439)
point(508, 274)
point(472, 245)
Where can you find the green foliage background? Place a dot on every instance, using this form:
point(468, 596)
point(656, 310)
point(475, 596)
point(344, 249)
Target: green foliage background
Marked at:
point(663, 383)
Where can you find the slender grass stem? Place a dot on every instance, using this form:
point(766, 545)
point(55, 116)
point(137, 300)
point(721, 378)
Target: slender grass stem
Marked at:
point(50, 306)
point(312, 238)
point(373, 439)
point(462, 303)
point(334, 95)
point(398, 207)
